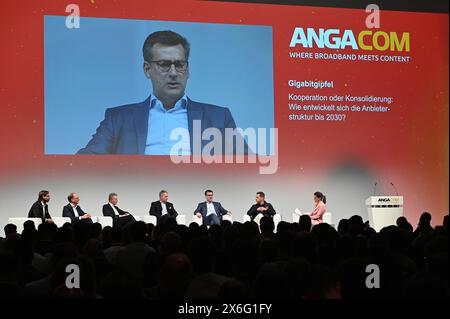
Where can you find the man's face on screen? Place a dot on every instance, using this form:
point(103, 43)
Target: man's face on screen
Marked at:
point(168, 85)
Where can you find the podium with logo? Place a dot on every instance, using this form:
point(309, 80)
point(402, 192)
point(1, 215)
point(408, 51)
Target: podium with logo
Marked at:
point(384, 210)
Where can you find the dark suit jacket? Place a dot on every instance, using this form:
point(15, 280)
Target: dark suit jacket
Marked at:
point(202, 209)
point(68, 212)
point(124, 129)
point(37, 211)
point(252, 212)
point(108, 211)
point(156, 209)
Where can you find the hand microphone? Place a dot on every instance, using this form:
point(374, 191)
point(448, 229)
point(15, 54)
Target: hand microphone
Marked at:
point(375, 189)
point(395, 188)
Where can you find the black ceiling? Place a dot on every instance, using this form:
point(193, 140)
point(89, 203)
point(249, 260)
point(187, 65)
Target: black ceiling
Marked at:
point(438, 6)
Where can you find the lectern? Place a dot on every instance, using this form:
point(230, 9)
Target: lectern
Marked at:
point(384, 210)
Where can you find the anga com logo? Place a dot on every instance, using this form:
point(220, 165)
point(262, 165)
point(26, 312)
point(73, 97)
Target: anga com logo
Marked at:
point(337, 39)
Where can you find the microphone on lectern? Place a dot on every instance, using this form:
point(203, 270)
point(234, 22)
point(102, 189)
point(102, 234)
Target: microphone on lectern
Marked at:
point(395, 188)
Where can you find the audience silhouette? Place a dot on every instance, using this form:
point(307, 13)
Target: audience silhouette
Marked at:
point(231, 260)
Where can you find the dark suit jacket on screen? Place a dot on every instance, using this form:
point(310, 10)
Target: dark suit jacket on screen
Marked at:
point(124, 129)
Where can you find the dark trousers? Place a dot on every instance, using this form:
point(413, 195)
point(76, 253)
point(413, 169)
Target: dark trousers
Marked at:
point(164, 218)
point(84, 221)
point(123, 221)
point(212, 219)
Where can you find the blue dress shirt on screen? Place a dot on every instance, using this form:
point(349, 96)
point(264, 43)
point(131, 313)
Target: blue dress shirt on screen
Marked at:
point(140, 129)
point(161, 122)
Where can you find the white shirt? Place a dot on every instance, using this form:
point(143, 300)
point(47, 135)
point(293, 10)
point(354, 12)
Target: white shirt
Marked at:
point(114, 209)
point(43, 207)
point(210, 209)
point(164, 208)
point(74, 207)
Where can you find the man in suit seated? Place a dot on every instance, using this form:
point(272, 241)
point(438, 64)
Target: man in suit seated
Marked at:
point(40, 208)
point(162, 209)
point(210, 211)
point(120, 218)
point(261, 208)
point(74, 212)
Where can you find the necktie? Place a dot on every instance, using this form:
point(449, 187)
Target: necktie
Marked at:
point(45, 210)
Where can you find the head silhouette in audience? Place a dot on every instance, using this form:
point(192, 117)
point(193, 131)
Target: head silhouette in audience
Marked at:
point(10, 230)
point(403, 224)
point(201, 254)
point(424, 223)
point(29, 224)
point(171, 243)
point(266, 225)
point(176, 274)
point(343, 226)
point(138, 232)
point(304, 223)
point(445, 222)
point(356, 225)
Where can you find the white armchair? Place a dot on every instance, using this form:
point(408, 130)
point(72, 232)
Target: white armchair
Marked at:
point(198, 220)
point(103, 220)
point(227, 217)
point(276, 219)
point(296, 215)
point(18, 221)
point(181, 219)
point(328, 218)
point(148, 219)
point(60, 221)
